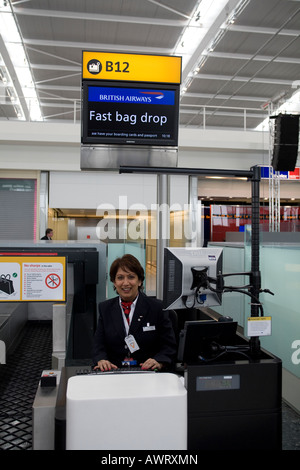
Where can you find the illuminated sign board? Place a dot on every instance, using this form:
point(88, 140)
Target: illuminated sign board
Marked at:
point(131, 67)
point(130, 113)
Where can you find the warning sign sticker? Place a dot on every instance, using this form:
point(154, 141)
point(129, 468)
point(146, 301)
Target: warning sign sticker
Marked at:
point(53, 281)
point(33, 279)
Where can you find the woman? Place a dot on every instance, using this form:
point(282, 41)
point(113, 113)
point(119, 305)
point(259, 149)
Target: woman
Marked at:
point(146, 338)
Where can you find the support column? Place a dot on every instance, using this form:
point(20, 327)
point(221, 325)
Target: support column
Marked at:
point(195, 214)
point(163, 229)
point(44, 203)
point(59, 331)
point(255, 248)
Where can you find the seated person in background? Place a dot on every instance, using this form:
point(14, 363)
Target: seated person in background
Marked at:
point(144, 336)
point(48, 235)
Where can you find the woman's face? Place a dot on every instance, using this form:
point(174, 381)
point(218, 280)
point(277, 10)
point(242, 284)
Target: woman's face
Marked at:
point(127, 284)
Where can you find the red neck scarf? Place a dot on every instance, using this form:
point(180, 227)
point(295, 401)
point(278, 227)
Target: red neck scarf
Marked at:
point(126, 309)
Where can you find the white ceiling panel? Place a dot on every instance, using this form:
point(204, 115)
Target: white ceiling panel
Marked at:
point(247, 58)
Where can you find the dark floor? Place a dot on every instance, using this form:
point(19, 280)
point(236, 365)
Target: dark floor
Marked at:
point(19, 379)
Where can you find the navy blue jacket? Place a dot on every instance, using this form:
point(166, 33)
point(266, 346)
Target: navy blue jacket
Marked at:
point(158, 343)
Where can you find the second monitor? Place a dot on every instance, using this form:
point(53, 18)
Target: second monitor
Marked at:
point(188, 274)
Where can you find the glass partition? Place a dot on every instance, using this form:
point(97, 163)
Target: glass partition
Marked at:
point(280, 273)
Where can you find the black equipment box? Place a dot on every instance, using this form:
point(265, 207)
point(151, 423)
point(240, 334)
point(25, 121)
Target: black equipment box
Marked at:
point(235, 405)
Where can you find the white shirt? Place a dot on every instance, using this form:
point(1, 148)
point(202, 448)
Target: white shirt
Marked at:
point(130, 315)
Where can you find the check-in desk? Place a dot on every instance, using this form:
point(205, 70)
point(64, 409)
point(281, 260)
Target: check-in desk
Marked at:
point(126, 411)
point(229, 405)
point(225, 399)
point(120, 411)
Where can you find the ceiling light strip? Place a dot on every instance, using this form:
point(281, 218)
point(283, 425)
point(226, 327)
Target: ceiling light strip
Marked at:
point(17, 55)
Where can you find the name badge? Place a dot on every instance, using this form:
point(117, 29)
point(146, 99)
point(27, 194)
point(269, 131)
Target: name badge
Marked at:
point(149, 327)
point(131, 343)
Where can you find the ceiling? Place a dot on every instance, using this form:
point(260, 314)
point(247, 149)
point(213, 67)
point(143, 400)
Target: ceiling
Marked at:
point(246, 68)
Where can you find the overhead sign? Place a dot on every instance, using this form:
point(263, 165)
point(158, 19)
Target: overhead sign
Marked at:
point(32, 278)
point(131, 67)
point(130, 113)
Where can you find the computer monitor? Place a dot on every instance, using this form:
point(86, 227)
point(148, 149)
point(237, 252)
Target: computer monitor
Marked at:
point(205, 339)
point(190, 277)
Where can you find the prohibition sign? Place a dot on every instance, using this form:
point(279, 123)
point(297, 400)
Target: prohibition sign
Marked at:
point(52, 281)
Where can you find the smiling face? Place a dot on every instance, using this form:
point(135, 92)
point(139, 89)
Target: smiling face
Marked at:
point(127, 284)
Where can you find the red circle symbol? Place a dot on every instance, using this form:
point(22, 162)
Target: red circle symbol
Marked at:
point(52, 281)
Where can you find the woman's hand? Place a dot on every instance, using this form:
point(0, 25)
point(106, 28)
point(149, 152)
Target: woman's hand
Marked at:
point(105, 365)
point(151, 364)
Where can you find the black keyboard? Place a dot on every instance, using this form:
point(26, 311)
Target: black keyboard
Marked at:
point(120, 370)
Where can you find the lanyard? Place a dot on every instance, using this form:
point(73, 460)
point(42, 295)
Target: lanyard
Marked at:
point(130, 315)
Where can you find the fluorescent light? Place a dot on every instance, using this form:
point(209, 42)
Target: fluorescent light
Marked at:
point(8, 25)
point(10, 90)
point(15, 49)
point(202, 18)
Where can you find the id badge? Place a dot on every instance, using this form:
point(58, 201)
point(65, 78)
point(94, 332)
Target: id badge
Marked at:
point(131, 343)
point(149, 327)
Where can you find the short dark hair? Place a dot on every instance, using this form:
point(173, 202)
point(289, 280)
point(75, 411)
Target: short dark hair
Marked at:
point(48, 230)
point(127, 263)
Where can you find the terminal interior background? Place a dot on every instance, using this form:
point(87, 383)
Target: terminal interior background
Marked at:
point(241, 67)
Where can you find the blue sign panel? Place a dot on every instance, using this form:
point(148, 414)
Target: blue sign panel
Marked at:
point(266, 171)
point(131, 95)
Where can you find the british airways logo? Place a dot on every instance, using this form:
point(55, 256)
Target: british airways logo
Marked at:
point(131, 95)
point(156, 94)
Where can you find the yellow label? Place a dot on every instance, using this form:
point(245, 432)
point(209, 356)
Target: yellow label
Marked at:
point(131, 67)
point(258, 318)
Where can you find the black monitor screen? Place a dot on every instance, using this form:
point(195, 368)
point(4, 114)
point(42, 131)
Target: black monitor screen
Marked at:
point(130, 113)
point(202, 338)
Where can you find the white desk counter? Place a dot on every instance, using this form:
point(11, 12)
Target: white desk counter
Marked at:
point(126, 411)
